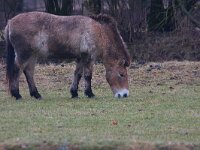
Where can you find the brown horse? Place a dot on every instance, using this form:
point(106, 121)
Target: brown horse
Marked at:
point(84, 39)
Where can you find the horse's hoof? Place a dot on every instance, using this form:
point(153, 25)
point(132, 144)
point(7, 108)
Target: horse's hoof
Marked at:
point(74, 93)
point(89, 94)
point(74, 96)
point(36, 95)
point(15, 93)
point(39, 97)
point(18, 97)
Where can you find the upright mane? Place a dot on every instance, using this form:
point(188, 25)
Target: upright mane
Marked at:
point(104, 19)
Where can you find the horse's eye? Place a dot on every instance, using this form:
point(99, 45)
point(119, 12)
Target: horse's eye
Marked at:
point(121, 75)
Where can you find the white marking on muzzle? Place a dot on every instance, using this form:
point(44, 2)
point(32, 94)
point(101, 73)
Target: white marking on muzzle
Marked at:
point(122, 93)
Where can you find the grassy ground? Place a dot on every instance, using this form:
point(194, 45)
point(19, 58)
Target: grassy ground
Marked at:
point(163, 110)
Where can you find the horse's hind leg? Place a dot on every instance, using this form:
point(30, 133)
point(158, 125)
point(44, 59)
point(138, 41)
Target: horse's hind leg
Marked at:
point(12, 70)
point(29, 72)
point(14, 83)
point(77, 77)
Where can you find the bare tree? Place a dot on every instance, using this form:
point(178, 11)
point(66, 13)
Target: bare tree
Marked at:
point(161, 16)
point(91, 7)
point(11, 8)
point(59, 7)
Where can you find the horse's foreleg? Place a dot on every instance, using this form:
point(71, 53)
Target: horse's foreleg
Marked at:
point(77, 77)
point(88, 68)
point(29, 72)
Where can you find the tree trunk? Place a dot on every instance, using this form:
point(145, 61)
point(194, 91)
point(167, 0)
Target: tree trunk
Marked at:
point(59, 7)
point(160, 19)
point(188, 14)
point(91, 7)
point(12, 7)
point(67, 7)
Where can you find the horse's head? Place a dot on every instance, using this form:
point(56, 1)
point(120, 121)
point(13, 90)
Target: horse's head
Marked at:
point(116, 57)
point(117, 77)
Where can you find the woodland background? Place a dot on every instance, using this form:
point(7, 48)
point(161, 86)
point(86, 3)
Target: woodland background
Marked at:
point(154, 30)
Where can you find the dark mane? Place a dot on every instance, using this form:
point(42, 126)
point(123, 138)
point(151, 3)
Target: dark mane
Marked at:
point(104, 19)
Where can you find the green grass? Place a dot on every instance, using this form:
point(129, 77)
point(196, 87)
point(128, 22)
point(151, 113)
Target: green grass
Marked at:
point(154, 113)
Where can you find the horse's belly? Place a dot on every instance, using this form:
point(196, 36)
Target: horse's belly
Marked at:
point(62, 54)
point(51, 48)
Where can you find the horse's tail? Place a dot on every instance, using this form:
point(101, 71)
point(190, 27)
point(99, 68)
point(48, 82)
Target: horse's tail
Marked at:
point(10, 59)
point(104, 19)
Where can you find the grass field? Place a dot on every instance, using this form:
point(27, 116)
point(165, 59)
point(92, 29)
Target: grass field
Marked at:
point(163, 110)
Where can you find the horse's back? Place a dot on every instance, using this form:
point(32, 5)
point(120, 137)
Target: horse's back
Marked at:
point(36, 21)
point(39, 32)
point(47, 33)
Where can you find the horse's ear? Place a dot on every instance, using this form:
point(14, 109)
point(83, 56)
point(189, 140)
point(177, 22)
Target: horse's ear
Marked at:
point(127, 63)
point(124, 63)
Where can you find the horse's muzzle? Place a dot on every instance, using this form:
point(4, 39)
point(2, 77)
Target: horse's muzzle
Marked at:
point(122, 93)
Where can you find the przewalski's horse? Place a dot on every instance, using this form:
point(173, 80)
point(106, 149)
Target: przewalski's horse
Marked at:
point(85, 39)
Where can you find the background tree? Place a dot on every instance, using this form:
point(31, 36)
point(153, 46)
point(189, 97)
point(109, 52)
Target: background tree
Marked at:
point(91, 7)
point(187, 8)
point(59, 7)
point(12, 7)
point(161, 18)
